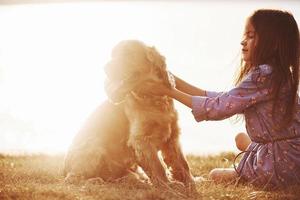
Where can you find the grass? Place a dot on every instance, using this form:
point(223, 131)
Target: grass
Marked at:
point(37, 177)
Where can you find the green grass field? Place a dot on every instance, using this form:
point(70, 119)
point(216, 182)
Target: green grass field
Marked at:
point(38, 177)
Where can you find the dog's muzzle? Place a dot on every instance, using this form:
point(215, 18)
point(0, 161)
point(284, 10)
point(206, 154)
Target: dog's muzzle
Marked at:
point(117, 90)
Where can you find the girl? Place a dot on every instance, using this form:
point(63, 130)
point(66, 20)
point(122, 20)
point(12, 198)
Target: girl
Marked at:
point(266, 94)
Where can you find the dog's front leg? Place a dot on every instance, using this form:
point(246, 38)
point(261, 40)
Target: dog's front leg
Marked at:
point(174, 158)
point(146, 154)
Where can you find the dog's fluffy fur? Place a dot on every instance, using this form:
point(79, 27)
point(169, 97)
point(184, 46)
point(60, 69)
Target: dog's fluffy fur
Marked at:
point(130, 129)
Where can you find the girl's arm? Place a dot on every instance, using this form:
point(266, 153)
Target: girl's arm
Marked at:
point(254, 88)
point(187, 88)
point(180, 96)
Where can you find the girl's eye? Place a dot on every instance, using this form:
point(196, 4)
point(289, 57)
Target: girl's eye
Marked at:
point(250, 35)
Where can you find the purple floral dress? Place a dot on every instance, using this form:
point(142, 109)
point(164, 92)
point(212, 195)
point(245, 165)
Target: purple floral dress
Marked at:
point(273, 158)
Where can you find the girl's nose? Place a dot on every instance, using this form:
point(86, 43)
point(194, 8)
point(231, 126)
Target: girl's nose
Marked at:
point(243, 42)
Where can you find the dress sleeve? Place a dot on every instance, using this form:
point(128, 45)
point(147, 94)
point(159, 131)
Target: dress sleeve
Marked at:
point(254, 88)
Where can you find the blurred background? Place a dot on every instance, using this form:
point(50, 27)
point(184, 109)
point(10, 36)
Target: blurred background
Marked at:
point(52, 55)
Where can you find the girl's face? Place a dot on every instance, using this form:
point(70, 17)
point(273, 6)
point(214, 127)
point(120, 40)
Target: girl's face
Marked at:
point(248, 42)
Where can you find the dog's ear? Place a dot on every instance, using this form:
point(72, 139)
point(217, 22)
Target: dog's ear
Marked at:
point(159, 66)
point(155, 58)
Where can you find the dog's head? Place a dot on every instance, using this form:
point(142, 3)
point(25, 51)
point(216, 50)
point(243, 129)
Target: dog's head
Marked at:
point(133, 65)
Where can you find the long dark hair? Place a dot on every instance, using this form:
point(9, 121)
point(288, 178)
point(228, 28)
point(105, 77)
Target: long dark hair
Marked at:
point(277, 44)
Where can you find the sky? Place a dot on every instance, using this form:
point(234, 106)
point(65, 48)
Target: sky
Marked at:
point(52, 57)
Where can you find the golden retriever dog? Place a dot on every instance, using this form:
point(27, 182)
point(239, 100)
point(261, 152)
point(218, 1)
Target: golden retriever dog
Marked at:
point(131, 127)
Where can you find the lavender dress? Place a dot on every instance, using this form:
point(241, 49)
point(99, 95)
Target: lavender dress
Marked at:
point(273, 158)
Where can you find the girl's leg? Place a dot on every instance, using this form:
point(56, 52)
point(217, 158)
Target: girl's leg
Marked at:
point(242, 141)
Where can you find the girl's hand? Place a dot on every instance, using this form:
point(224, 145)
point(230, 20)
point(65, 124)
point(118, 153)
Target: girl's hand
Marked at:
point(161, 90)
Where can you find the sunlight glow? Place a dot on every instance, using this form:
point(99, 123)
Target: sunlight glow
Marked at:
point(52, 57)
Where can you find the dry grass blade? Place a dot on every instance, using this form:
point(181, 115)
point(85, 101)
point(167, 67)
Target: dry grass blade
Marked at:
point(38, 177)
